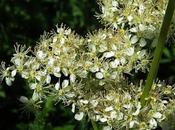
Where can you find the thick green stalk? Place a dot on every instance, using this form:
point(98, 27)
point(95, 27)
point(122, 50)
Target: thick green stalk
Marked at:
point(94, 125)
point(158, 52)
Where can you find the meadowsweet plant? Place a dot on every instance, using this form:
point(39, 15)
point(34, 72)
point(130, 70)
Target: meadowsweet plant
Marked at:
point(93, 74)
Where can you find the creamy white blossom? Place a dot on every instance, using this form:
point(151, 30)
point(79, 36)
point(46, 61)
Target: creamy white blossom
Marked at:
point(152, 123)
point(57, 86)
point(23, 99)
point(79, 116)
point(65, 83)
point(13, 73)
point(99, 75)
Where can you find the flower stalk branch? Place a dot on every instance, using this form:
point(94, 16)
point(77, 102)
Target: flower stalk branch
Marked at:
point(159, 49)
point(94, 125)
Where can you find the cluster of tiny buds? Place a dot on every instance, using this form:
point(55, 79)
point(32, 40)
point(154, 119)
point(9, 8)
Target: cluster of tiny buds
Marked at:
point(133, 15)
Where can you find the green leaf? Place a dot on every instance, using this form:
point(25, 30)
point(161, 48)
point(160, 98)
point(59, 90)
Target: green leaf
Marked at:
point(2, 94)
point(66, 127)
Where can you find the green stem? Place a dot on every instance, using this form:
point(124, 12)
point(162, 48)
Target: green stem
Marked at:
point(158, 52)
point(94, 125)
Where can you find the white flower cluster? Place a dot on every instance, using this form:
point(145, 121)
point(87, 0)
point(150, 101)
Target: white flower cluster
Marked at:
point(64, 59)
point(91, 73)
point(120, 108)
point(141, 18)
point(135, 15)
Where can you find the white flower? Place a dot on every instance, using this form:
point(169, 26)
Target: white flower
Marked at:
point(115, 25)
point(65, 72)
point(33, 85)
point(41, 55)
point(35, 96)
point(67, 32)
point(142, 42)
point(134, 39)
point(97, 117)
point(62, 41)
point(136, 112)
point(60, 30)
point(114, 63)
point(88, 63)
point(89, 40)
point(9, 81)
point(65, 83)
point(24, 75)
point(101, 82)
point(120, 116)
point(73, 108)
point(102, 70)
point(164, 101)
point(127, 96)
point(13, 73)
point(120, 20)
point(114, 75)
point(113, 46)
point(56, 71)
point(51, 61)
point(83, 73)
point(127, 106)
point(130, 51)
point(18, 61)
point(70, 94)
point(107, 128)
point(130, 18)
point(84, 101)
point(35, 66)
point(134, 29)
point(103, 119)
point(138, 109)
point(114, 3)
point(152, 123)
point(157, 115)
point(108, 54)
point(23, 99)
point(102, 47)
point(57, 86)
point(94, 103)
point(132, 123)
point(103, 36)
point(72, 78)
point(48, 79)
point(65, 49)
point(94, 69)
point(109, 97)
point(141, 9)
point(54, 39)
point(113, 115)
point(141, 53)
point(39, 75)
point(107, 109)
point(79, 116)
point(142, 27)
point(99, 75)
point(123, 60)
point(92, 47)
